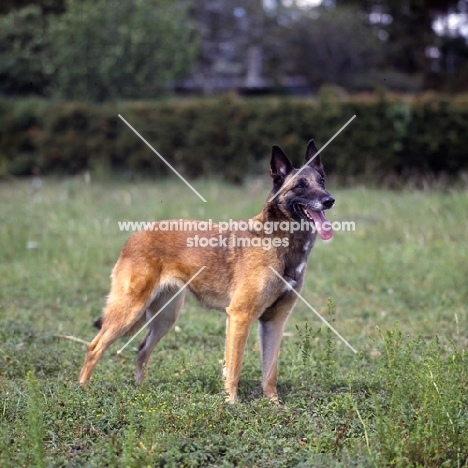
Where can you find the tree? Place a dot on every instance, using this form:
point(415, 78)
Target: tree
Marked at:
point(110, 49)
point(24, 68)
point(406, 26)
point(254, 43)
point(326, 46)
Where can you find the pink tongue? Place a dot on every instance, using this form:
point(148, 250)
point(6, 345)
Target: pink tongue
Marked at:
point(326, 232)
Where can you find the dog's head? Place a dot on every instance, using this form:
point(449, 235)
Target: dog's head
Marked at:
point(300, 193)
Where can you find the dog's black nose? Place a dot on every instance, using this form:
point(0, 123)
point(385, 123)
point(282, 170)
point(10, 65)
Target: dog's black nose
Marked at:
point(328, 201)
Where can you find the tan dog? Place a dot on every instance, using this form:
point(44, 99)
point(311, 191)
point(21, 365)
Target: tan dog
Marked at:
point(237, 278)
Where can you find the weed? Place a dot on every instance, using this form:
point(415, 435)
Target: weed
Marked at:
point(33, 446)
point(318, 348)
point(328, 362)
point(305, 344)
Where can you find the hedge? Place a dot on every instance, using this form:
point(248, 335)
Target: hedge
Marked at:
point(231, 137)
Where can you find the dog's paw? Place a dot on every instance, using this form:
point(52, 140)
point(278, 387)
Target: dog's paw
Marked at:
point(275, 400)
point(230, 397)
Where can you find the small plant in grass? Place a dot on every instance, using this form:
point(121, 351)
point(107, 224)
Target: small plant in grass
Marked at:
point(421, 411)
point(34, 440)
point(325, 348)
point(129, 457)
point(305, 345)
point(330, 347)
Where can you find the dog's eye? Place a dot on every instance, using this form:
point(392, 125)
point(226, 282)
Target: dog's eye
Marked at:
point(322, 180)
point(300, 185)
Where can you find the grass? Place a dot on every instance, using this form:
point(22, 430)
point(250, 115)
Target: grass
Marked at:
point(396, 289)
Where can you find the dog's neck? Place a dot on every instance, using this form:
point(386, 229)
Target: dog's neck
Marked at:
point(272, 213)
point(300, 242)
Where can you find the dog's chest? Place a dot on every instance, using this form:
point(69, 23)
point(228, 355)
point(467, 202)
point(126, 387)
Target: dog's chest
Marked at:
point(295, 260)
point(294, 270)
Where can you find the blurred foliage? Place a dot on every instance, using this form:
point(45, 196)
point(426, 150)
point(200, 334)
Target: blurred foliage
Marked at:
point(232, 137)
point(134, 49)
point(112, 49)
point(330, 46)
point(407, 28)
point(96, 51)
point(46, 6)
point(297, 47)
point(227, 29)
point(24, 68)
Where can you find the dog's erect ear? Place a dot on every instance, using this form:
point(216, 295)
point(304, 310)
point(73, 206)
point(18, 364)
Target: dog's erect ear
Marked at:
point(311, 151)
point(280, 165)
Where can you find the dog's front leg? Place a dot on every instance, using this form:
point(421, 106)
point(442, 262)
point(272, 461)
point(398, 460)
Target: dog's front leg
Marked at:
point(270, 331)
point(237, 331)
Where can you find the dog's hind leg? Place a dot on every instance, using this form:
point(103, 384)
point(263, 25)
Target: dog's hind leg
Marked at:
point(130, 294)
point(158, 327)
point(119, 317)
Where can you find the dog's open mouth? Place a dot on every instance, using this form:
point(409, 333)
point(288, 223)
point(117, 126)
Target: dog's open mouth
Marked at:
point(323, 226)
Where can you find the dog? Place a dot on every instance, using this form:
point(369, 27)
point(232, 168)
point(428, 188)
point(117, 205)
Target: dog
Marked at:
point(239, 279)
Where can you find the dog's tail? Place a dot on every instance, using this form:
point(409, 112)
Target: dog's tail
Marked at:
point(98, 323)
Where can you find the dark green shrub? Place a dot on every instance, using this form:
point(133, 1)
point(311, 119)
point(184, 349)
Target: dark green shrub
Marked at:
point(120, 50)
point(232, 137)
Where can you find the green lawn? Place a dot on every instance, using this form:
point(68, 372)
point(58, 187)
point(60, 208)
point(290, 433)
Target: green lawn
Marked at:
point(396, 288)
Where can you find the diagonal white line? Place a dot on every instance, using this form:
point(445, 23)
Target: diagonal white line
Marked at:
point(188, 185)
point(313, 310)
point(162, 308)
point(311, 159)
